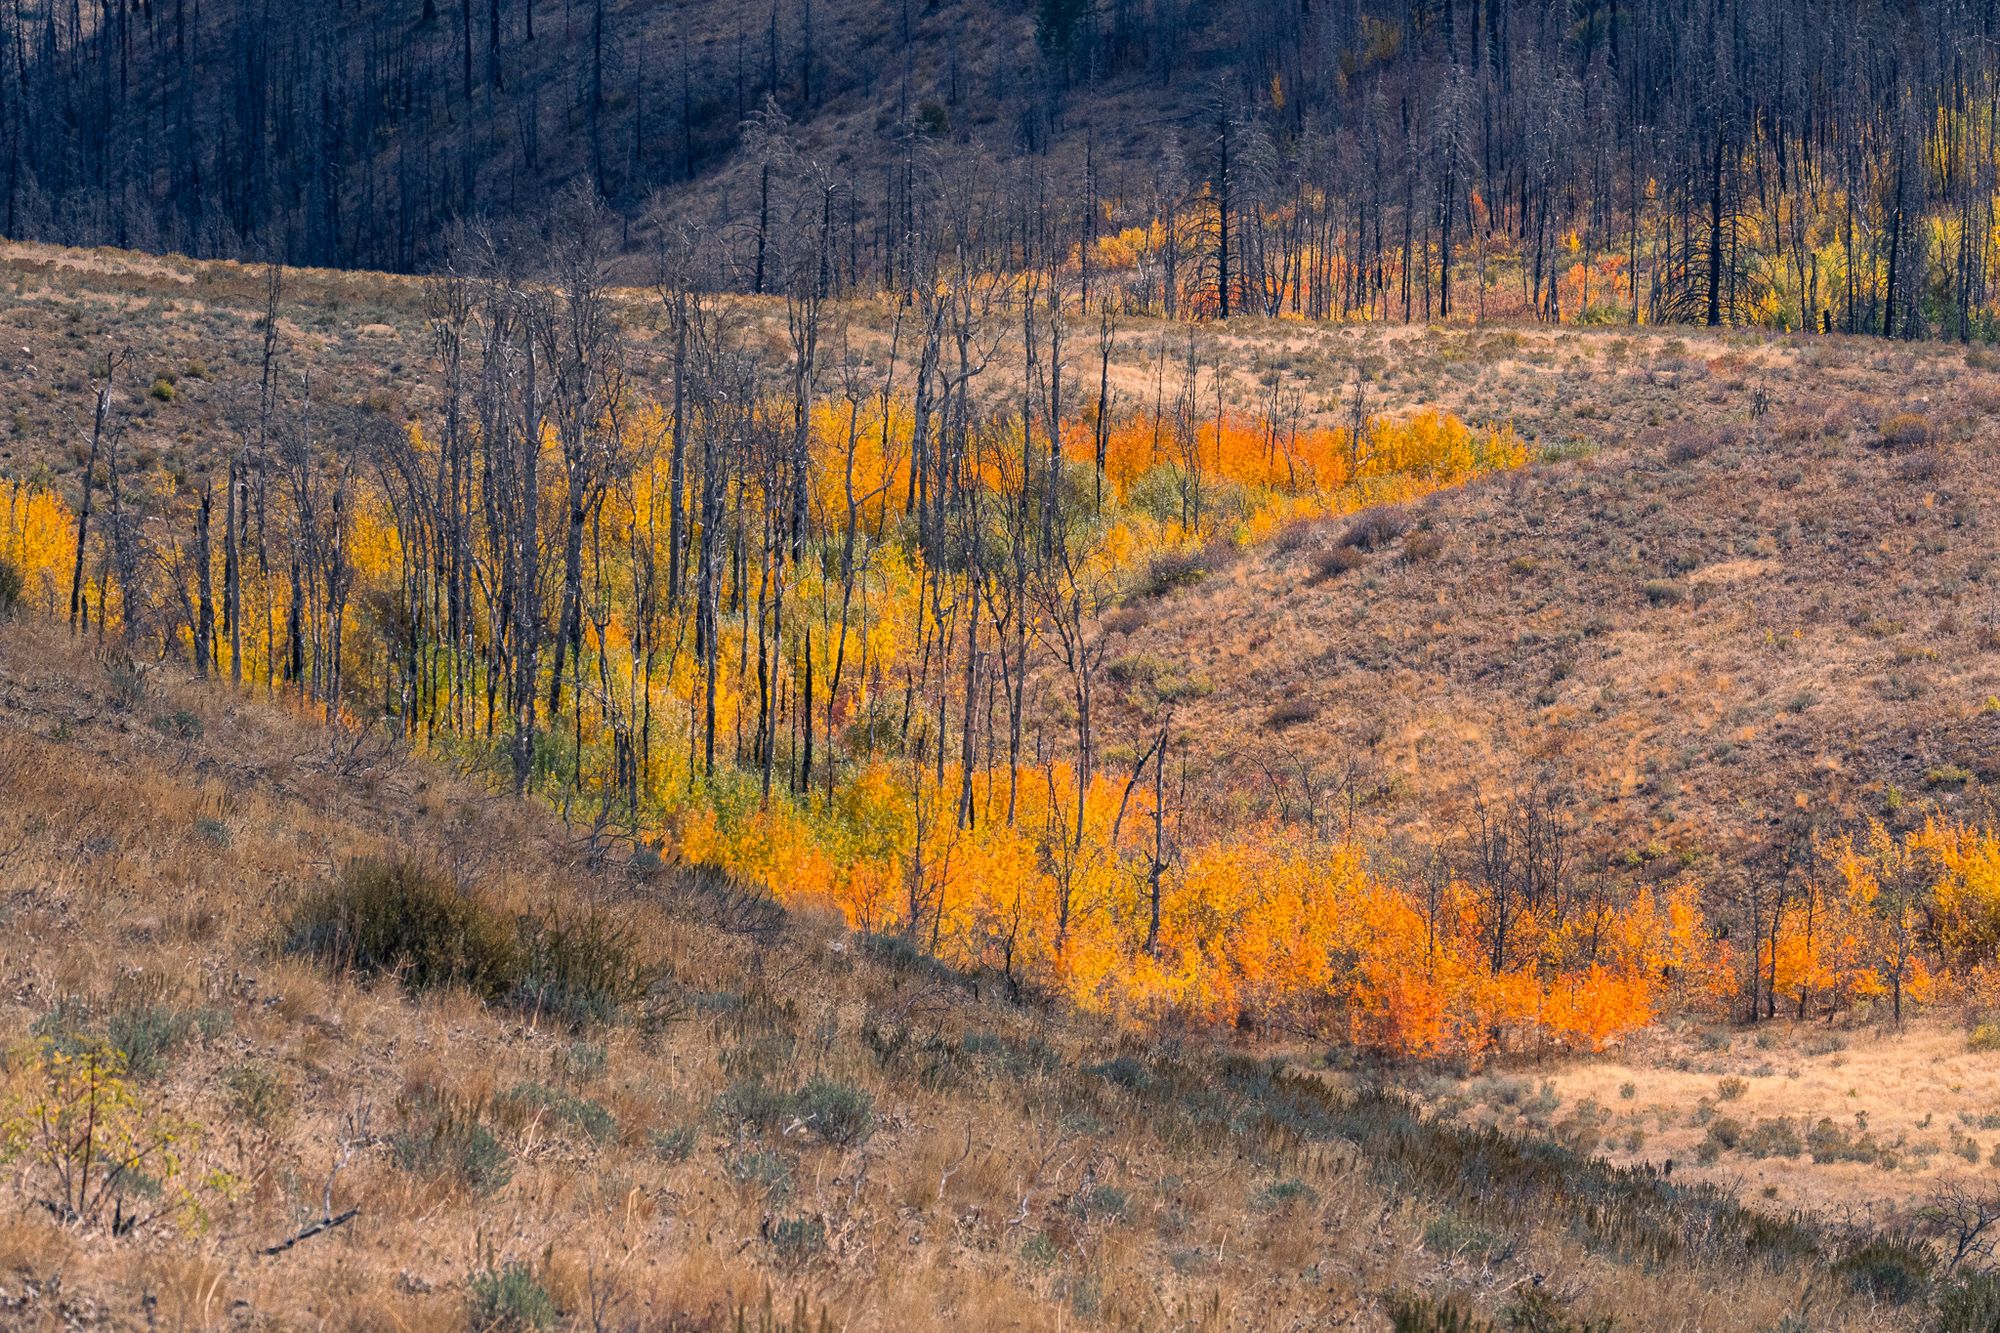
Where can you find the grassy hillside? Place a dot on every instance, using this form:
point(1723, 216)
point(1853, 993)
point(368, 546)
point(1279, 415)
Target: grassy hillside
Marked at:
point(777, 1111)
point(1740, 584)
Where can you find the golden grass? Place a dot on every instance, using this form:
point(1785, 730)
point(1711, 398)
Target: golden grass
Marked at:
point(143, 866)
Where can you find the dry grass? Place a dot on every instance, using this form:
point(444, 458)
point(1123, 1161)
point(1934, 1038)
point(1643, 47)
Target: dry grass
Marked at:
point(1014, 1169)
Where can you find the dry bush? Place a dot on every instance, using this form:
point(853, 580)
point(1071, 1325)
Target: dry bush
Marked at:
point(1340, 560)
point(1291, 712)
point(400, 919)
point(1425, 544)
point(1906, 430)
point(1303, 534)
point(1925, 465)
point(1372, 529)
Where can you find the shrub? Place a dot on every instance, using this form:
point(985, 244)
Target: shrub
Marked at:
point(445, 1138)
point(1732, 1087)
point(1340, 560)
point(1421, 546)
point(510, 1300)
point(163, 388)
point(767, 1171)
point(1283, 1194)
point(1100, 1203)
point(1890, 1270)
point(1291, 712)
point(579, 969)
point(674, 1145)
point(397, 918)
point(147, 1034)
point(838, 1112)
point(1452, 1234)
point(1372, 529)
point(1302, 534)
point(1412, 1312)
point(12, 584)
point(1775, 1137)
point(754, 1102)
point(1985, 1037)
point(92, 1151)
point(531, 1100)
point(1174, 569)
point(797, 1240)
point(1664, 592)
point(1906, 430)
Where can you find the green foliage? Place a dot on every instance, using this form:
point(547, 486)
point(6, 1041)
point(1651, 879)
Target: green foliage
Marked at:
point(445, 1138)
point(539, 1101)
point(767, 1172)
point(838, 1112)
point(1100, 1203)
point(510, 1299)
point(12, 584)
point(1971, 1304)
point(144, 1033)
point(581, 968)
point(1892, 1270)
point(675, 1145)
point(797, 1240)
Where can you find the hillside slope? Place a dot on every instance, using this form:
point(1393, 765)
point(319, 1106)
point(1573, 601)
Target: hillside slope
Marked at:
point(783, 1112)
point(1761, 596)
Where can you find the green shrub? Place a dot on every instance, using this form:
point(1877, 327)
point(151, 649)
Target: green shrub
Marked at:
point(163, 389)
point(797, 1239)
point(147, 1034)
point(1970, 1305)
point(1282, 1194)
point(144, 1034)
point(397, 918)
point(510, 1300)
point(752, 1101)
point(765, 1171)
point(838, 1112)
point(531, 1100)
point(674, 1145)
point(12, 584)
point(1100, 1203)
point(444, 1138)
point(1890, 1270)
point(1985, 1037)
point(578, 969)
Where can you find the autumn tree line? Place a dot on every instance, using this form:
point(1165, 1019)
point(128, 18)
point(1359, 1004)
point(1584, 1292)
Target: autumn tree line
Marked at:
point(822, 593)
point(1792, 163)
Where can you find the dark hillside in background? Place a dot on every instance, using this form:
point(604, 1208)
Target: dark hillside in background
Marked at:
point(1796, 163)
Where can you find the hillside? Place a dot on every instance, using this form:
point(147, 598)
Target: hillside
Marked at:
point(775, 1033)
point(1788, 163)
point(784, 1113)
point(1739, 605)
